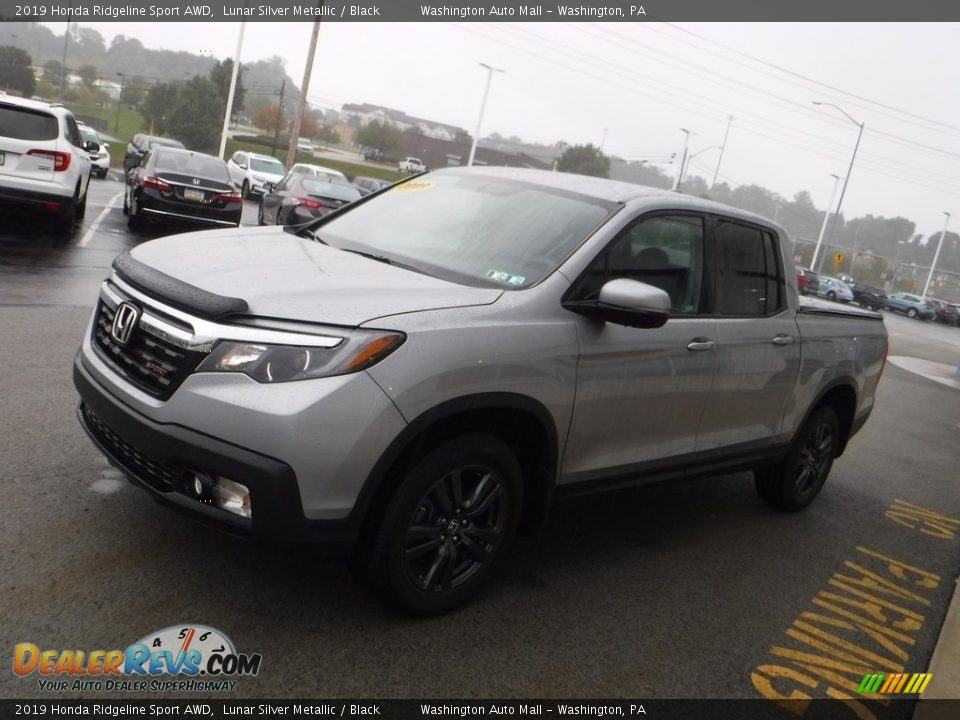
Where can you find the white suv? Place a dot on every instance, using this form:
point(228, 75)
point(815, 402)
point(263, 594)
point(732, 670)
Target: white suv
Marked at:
point(43, 162)
point(250, 172)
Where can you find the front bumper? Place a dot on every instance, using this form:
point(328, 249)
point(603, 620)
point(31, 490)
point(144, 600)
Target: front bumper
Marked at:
point(157, 457)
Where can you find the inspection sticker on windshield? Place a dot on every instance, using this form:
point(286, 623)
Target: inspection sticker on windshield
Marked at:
point(503, 277)
point(414, 186)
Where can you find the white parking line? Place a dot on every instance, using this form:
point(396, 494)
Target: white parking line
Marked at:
point(99, 219)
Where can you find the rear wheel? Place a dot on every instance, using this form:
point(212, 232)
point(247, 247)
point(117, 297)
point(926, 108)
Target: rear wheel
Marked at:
point(66, 223)
point(794, 482)
point(260, 220)
point(245, 190)
point(134, 220)
point(446, 525)
point(82, 207)
point(831, 295)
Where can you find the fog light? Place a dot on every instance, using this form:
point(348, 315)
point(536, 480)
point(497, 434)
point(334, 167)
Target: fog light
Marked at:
point(198, 484)
point(232, 497)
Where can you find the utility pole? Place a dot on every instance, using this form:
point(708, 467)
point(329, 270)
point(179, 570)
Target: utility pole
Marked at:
point(723, 147)
point(302, 105)
point(230, 94)
point(823, 227)
point(276, 130)
point(683, 159)
point(116, 125)
point(936, 255)
point(483, 106)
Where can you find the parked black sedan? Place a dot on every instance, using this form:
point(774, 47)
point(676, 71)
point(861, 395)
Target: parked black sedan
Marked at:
point(301, 198)
point(181, 186)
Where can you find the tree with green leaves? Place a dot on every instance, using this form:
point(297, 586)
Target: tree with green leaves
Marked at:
point(158, 104)
point(16, 72)
point(88, 75)
point(585, 160)
point(385, 138)
point(220, 74)
point(53, 72)
point(196, 117)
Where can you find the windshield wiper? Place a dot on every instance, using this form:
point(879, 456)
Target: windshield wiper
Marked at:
point(372, 256)
point(301, 231)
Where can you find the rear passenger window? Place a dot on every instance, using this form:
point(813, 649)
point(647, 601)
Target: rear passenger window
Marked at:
point(750, 280)
point(22, 124)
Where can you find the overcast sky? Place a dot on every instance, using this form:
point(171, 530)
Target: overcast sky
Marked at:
point(634, 85)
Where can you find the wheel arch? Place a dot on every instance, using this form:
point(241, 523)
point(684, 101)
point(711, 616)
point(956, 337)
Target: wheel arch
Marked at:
point(841, 395)
point(522, 422)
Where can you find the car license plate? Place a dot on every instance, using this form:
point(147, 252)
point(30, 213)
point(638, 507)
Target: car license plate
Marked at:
point(195, 195)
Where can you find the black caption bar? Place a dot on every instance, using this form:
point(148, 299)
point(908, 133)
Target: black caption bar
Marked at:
point(200, 707)
point(508, 10)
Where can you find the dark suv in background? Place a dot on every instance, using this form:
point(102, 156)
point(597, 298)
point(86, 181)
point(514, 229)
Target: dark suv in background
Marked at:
point(868, 296)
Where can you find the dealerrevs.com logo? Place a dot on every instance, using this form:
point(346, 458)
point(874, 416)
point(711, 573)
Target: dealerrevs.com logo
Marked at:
point(188, 658)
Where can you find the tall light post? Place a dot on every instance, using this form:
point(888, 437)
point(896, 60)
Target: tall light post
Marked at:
point(683, 170)
point(483, 106)
point(723, 146)
point(826, 218)
point(936, 255)
point(683, 158)
point(896, 265)
point(232, 91)
point(852, 158)
point(116, 125)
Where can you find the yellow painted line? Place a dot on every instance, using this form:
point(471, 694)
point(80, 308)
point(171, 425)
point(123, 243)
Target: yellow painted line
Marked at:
point(825, 636)
point(860, 620)
point(881, 584)
point(897, 563)
point(879, 601)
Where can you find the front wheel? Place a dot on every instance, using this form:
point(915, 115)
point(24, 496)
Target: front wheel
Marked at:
point(445, 527)
point(794, 482)
point(260, 220)
point(912, 313)
point(831, 295)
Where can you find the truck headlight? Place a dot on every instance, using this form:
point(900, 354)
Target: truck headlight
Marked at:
point(265, 363)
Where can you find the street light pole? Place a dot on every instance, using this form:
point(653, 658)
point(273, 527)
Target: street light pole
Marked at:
point(826, 218)
point(483, 106)
point(233, 89)
point(936, 255)
point(683, 159)
point(116, 125)
point(683, 171)
point(723, 147)
point(849, 169)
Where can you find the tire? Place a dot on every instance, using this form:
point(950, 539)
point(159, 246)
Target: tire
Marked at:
point(65, 225)
point(126, 208)
point(831, 295)
point(794, 482)
point(82, 207)
point(912, 313)
point(260, 220)
point(436, 544)
point(245, 190)
point(134, 220)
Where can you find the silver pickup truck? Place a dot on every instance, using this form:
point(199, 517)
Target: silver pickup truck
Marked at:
point(418, 375)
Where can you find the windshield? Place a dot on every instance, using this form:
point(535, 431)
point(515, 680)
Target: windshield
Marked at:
point(471, 229)
point(89, 136)
point(274, 167)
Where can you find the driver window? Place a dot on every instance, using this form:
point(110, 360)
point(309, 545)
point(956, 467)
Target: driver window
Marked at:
point(665, 251)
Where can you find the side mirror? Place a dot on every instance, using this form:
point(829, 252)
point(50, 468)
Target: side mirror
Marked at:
point(91, 146)
point(626, 302)
point(105, 145)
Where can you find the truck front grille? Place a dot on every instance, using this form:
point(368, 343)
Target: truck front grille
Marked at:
point(152, 364)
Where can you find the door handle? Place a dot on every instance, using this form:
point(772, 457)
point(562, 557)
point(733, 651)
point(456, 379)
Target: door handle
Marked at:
point(783, 340)
point(700, 344)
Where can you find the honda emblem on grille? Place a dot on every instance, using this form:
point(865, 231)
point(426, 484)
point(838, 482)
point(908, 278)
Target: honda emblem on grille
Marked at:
point(124, 322)
point(196, 181)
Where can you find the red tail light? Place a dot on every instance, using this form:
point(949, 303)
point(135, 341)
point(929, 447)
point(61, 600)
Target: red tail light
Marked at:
point(157, 184)
point(61, 160)
point(308, 203)
point(228, 198)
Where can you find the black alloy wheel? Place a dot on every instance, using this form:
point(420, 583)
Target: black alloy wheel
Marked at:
point(794, 482)
point(455, 528)
point(445, 526)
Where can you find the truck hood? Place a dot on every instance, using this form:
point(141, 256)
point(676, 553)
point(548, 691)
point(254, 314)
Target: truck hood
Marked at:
point(280, 275)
